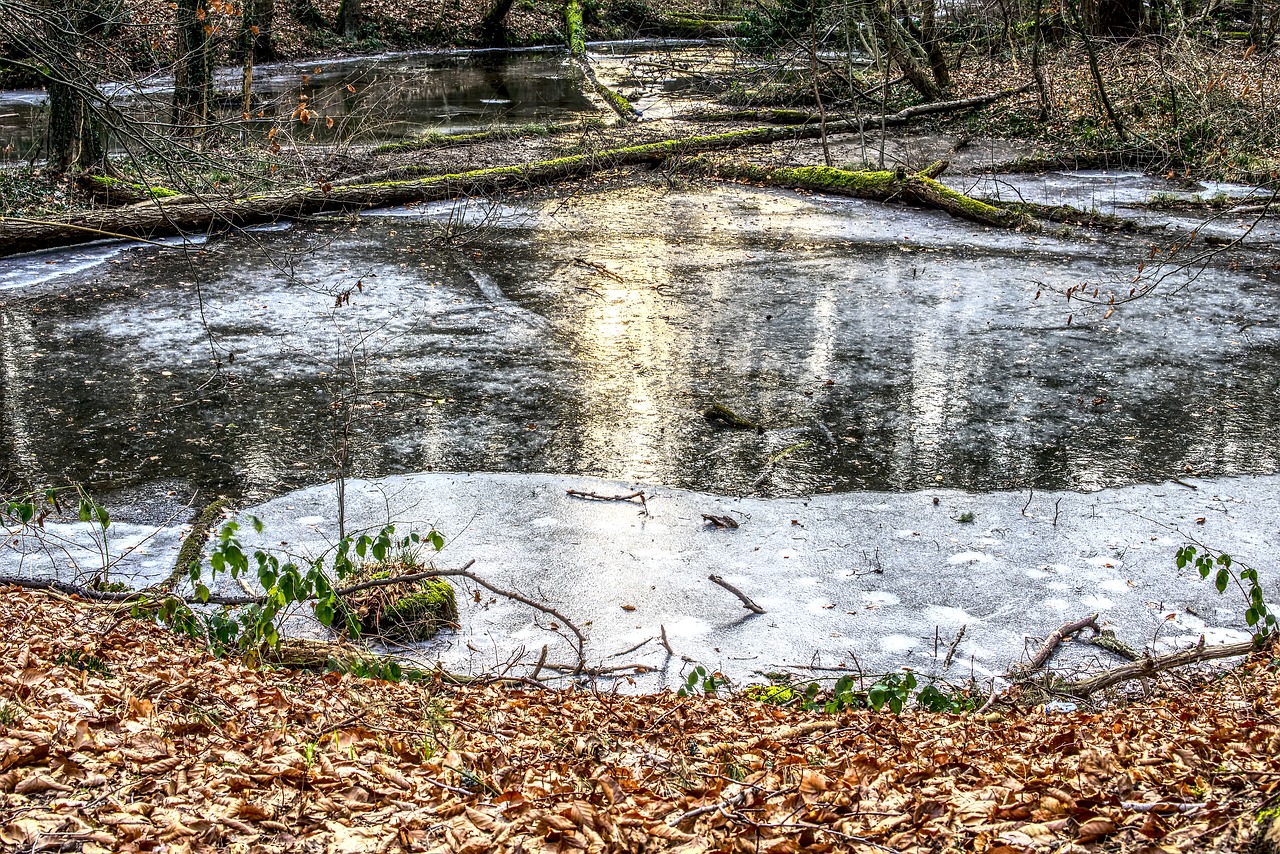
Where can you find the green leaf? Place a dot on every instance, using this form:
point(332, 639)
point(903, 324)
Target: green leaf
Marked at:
point(436, 539)
point(1221, 581)
point(256, 523)
point(324, 612)
point(202, 592)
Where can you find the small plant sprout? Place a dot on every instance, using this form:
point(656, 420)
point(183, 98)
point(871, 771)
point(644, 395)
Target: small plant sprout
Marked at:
point(700, 681)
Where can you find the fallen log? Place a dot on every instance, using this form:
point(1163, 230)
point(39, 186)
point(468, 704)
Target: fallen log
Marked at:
point(768, 117)
point(875, 185)
point(436, 139)
point(188, 215)
point(1147, 667)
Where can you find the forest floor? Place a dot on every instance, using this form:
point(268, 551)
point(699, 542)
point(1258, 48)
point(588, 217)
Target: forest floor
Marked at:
point(117, 735)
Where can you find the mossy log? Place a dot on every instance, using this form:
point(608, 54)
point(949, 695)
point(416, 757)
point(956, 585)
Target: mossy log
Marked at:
point(306, 654)
point(109, 191)
point(192, 549)
point(769, 117)
point(721, 416)
point(576, 41)
point(1069, 215)
point(187, 215)
point(876, 185)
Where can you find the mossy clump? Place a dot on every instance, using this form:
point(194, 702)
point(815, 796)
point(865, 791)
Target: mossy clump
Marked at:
point(401, 613)
point(419, 615)
point(774, 695)
point(121, 192)
point(722, 416)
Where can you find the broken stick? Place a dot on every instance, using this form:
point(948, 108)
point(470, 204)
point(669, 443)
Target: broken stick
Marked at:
point(1051, 643)
point(742, 597)
point(577, 493)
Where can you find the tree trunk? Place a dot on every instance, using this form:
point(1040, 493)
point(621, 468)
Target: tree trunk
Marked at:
point(1113, 17)
point(493, 29)
point(898, 46)
point(264, 17)
point(193, 77)
point(306, 13)
point(76, 139)
point(933, 45)
point(349, 18)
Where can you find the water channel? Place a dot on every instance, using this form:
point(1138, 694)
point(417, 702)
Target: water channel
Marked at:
point(891, 356)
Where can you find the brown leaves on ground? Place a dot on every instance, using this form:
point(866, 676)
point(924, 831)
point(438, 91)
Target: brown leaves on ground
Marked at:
point(147, 743)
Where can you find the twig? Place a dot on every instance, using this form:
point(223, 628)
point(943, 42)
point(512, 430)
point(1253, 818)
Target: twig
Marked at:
point(666, 643)
point(599, 268)
point(1031, 493)
point(455, 789)
point(537, 668)
point(630, 648)
point(946, 664)
point(577, 493)
point(598, 671)
point(742, 597)
point(732, 801)
point(1051, 643)
point(1181, 482)
point(991, 698)
point(1152, 666)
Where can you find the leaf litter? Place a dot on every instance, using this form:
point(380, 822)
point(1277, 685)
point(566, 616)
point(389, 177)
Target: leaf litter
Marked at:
point(166, 748)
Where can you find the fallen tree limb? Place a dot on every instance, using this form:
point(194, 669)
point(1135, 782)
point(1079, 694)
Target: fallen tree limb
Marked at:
point(875, 185)
point(768, 117)
point(1050, 644)
point(185, 215)
point(746, 600)
point(1069, 215)
point(1151, 666)
point(577, 493)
